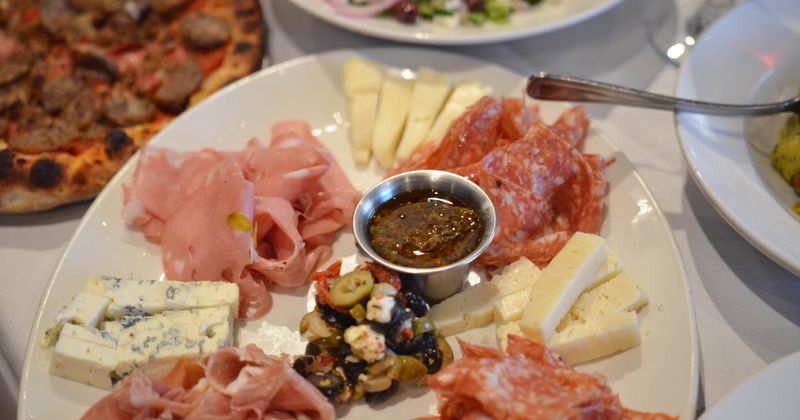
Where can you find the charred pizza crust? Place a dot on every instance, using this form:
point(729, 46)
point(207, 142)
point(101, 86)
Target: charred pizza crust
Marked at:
point(36, 181)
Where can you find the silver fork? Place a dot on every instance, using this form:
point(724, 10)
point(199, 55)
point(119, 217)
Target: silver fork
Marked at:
point(564, 88)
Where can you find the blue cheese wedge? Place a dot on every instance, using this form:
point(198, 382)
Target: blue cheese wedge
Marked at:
point(569, 273)
point(149, 297)
point(599, 337)
point(464, 311)
point(85, 355)
point(84, 309)
point(152, 344)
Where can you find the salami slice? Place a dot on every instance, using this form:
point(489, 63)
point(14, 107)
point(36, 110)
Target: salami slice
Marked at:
point(529, 382)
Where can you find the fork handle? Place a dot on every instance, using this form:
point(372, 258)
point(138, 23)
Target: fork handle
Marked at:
point(564, 88)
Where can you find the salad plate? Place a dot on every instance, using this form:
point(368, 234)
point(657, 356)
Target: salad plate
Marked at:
point(544, 17)
point(752, 55)
point(660, 375)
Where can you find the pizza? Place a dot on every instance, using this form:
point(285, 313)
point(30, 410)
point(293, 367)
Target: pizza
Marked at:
point(85, 83)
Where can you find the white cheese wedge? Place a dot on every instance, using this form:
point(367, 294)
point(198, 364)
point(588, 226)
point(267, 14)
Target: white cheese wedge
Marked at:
point(601, 336)
point(464, 95)
point(510, 307)
point(561, 282)
point(464, 311)
point(85, 309)
point(395, 98)
point(148, 297)
point(85, 355)
point(152, 344)
point(362, 84)
point(620, 294)
point(521, 274)
point(502, 331)
point(430, 92)
point(610, 268)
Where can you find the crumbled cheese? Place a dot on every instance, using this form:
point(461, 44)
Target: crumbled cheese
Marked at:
point(365, 342)
point(379, 308)
point(383, 289)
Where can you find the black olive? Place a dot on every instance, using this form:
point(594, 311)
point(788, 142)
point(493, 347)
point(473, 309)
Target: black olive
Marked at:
point(313, 349)
point(393, 330)
point(338, 320)
point(424, 347)
point(416, 303)
point(302, 363)
point(381, 396)
point(329, 384)
point(432, 359)
point(351, 369)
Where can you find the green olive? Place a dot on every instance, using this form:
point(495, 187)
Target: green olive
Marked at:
point(377, 383)
point(422, 325)
point(331, 342)
point(315, 328)
point(358, 312)
point(412, 372)
point(389, 365)
point(358, 392)
point(351, 288)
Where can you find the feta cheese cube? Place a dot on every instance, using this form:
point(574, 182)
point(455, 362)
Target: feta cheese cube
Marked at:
point(84, 309)
point(85, 355)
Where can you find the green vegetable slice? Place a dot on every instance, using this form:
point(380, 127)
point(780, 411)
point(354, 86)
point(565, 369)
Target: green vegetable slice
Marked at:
point(352, 288)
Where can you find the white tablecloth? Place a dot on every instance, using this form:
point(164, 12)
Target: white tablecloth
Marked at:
point(748, 308)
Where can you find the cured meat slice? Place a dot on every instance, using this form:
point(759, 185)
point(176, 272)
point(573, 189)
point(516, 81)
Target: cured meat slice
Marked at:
point(573, 124)
point(233, 383)
point(284, 172)
point(529, 382)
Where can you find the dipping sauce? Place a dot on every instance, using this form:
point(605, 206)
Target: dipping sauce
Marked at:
point(424, 229)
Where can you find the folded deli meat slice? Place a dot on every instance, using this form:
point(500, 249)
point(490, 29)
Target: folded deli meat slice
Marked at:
point(292, 193)
point(529, 382)
point(543, 188)
point(233, 383)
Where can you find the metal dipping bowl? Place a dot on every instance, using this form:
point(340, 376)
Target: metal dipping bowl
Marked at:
point(436, 283)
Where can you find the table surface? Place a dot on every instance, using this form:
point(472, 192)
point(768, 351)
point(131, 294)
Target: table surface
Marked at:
point(748, 308)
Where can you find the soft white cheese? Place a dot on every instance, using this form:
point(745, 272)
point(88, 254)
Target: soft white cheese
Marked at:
point(152, 344)
point(85, 355)
point(148, 297)
point(599, 337)
point(384, 289)
point(379, 308)
point(365, 342)
point(569, 273)
point(463, 311)
point(362, 82)
point(394, 101)
point(430, 92)
point(520, 274)
point(85, 309)
point(464, 95)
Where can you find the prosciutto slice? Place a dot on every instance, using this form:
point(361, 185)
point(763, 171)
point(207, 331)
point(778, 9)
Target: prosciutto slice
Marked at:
point(292, 191)
point(233, 383)
point(543, 188)
point(529, 382)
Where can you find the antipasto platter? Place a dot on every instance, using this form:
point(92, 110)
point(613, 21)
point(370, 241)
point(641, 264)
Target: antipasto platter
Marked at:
point(612, 301)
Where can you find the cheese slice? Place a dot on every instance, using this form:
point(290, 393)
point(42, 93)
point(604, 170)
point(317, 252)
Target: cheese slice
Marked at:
point(601, 336)
point(561, 282)
point(464, 95)
point(85, 355)
point(85, 309)
point(395, 98)
point(464, 311)
point(503, 330)
point(148, 297)
point(362, 83)
point(430, 92)
point(152, 344)
point(620, 294)
point(516, 276)
point(610, 268)
point(509, 307)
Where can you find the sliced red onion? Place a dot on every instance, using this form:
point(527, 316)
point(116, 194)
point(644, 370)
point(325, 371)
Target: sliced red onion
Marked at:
point(369, 10)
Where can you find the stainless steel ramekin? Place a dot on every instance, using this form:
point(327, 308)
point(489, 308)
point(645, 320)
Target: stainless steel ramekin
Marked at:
point(437, 283)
